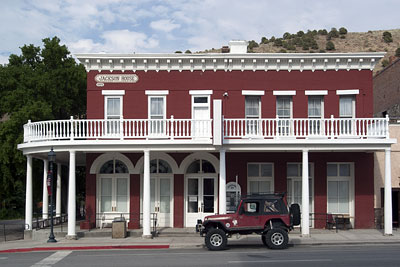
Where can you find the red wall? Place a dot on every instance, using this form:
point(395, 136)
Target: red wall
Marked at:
point(179, 83)
point(178, 200)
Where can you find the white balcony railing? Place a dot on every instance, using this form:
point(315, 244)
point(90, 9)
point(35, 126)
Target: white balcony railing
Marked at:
point(307, 128)
point(118, 129)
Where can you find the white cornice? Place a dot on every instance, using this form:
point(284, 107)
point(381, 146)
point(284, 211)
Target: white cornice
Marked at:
point(231, 62)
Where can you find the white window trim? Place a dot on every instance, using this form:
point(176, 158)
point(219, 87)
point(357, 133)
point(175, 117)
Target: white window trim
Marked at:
point(261, 178)
point(351, 179)
point(316, 92)
point(291, 106)
point(200, 92)
point(113, 92)
point(149, 105)
point(120, 106)
point(348, 92)
point(157, 92)
point(284, 92)
point(322, 108)
point(201, 104)
point(253, 92)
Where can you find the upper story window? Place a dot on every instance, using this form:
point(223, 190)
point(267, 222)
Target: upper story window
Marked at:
point(252, 107)
point(347, 106)
point(284, 106)
point(157, 107)
point(113, 104)
point(315, 106)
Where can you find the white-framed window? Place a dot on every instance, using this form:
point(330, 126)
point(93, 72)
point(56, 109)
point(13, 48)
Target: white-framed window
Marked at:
point(294, 183)
point(347, 111)
point(340, 188)
point(112, 114)
point(260, 177)
point(201, 125)
point(284, 111)
point(252, 106)
point(157, 114)
point(315, 112)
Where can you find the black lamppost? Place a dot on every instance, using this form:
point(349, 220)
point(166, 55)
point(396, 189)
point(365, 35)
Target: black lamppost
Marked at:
point(52, 158)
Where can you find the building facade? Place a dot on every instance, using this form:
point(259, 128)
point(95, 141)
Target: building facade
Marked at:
point(179, 136)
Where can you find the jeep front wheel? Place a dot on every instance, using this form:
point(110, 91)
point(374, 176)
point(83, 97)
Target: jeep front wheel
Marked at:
point(277, 238)
point(216, 239)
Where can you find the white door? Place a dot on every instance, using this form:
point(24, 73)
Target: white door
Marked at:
point(113, 198)
point(201, 198)
point(201, 126)
point(161, 200)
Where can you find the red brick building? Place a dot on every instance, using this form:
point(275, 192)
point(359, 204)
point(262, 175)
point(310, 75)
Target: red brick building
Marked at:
point(177, 135)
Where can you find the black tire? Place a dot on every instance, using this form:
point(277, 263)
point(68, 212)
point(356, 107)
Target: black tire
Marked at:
point(295, 211)
point(264, 239)
point(277, 238)
point(216, 239)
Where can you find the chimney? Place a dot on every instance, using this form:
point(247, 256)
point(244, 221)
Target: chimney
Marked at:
point(238, 47)
point(225, 49)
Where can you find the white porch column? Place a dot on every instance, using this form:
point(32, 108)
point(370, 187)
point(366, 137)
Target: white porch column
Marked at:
point(305, 205)
point(45, 203)
point(58, 191)
point(28, 195)
point(388, 194)
point(222, 182)
point(146, 195)
point(71, 197)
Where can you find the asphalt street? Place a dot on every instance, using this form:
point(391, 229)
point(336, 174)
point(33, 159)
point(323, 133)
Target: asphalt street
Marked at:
point(377, 255)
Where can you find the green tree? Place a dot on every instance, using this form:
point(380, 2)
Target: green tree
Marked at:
point(188, 52)
point(330, 46)
point(251, 45)
point(387, 37)
point(397, 54)
point(40, 84)
point(322, 32)
point(264, 40)
point(342, 30)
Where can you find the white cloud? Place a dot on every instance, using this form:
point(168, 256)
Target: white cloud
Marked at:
point(164, 25)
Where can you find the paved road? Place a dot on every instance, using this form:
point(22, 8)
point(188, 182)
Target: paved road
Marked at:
point(379, 255)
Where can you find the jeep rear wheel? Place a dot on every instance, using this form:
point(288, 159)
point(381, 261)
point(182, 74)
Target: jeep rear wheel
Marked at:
point(216, 239)
point(276, 238)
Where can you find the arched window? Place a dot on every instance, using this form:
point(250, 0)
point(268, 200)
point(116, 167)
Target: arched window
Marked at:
point(201, 166)
point(160, 166)
point(113, 166)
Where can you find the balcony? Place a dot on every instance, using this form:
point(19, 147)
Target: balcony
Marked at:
point(201, 131)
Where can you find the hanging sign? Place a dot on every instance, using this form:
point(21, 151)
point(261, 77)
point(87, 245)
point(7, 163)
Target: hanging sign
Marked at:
point(49, 182)
point(116, 78)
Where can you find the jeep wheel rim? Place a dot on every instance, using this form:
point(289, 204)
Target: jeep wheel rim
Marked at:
point(277, 239)
point(216, 240)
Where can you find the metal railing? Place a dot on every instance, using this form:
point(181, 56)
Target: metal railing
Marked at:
point(11, 231)
point(306, 128)
point(117, 129)
point(41, 223)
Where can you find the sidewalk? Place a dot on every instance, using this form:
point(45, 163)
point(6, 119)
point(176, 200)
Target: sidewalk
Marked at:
point(186, 238)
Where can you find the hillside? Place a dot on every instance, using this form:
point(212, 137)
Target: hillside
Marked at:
point(370, 41)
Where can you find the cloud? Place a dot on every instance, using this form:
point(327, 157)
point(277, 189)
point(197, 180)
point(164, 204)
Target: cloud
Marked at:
point(118, 41)
point(164, 25)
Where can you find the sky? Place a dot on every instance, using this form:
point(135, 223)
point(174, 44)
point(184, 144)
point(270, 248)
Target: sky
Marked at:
point(165, 26)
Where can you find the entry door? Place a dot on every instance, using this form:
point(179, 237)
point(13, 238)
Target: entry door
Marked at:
point(114, 198)
point(201, 114)
point(201, 199)
point(161, 200)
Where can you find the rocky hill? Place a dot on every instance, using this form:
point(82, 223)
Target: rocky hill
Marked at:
point(343, 42)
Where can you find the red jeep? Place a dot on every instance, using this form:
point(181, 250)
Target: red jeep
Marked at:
point(264, 214)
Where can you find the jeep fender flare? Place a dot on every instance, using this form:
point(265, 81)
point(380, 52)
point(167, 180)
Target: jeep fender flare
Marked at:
point(275, 223)
point(214, 224)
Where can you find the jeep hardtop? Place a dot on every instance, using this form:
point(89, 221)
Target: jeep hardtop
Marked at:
point(264, 214)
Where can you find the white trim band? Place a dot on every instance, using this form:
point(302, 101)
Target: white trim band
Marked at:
point(200, 92)
point(348, 92)
point(113, 92)
point(157, 92)
point(253, 92)
point(285, 92)
point(316, 92)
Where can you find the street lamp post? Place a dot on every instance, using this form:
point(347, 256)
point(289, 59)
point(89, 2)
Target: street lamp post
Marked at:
point(52, 158)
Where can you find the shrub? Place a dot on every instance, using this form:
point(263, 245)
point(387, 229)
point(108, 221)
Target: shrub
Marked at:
point(387, 37)
point(278, 42)
point(322, 51)
point(333, 33)
point(342, 36)
point(287, 35)
point(314, 45)
point(188, 52)
point(322, 32)
point(330, 46)
point(251, 45)
point(306, 46)
point(272, 39)
point(342, 30)
point(264, 40)
point(385, 63)
point(178, 52)
point(397, 54)
point(300, 33)
point(282, 51)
